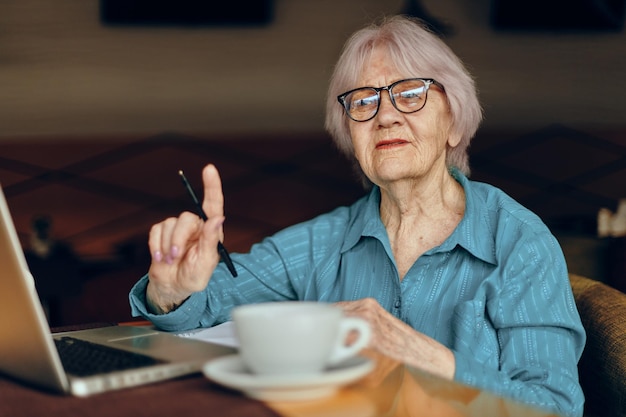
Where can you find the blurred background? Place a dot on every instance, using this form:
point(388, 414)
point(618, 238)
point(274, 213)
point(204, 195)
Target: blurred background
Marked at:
point(103, 101)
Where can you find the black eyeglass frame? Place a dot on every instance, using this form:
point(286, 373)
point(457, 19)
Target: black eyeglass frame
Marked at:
point(427, 83)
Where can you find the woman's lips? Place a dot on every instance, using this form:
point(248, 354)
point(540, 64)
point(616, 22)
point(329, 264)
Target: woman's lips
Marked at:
point(390, 143)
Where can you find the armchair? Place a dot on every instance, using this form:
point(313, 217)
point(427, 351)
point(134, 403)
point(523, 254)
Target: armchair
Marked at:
point(602, 367)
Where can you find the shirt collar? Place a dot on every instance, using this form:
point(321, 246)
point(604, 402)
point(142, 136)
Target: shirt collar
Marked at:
point(365, 221)
point(474, 233)
point(476, 230)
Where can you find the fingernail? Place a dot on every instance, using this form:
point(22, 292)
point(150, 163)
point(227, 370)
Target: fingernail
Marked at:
point(174, 251)
point(158, 256)
point(169, 260)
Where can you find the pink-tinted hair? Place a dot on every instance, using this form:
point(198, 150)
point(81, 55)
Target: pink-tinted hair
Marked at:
point(415, 52)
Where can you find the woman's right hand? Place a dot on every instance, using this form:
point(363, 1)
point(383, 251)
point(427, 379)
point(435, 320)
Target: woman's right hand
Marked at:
point(184, 249)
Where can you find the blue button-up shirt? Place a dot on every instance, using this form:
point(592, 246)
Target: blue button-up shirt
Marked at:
point(496, 291)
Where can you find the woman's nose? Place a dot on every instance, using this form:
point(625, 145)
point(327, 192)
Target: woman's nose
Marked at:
point(387, 113)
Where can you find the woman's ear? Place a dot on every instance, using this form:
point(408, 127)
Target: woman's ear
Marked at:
point(454, 138)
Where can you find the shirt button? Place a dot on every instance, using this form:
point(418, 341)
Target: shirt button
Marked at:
point(398, 303)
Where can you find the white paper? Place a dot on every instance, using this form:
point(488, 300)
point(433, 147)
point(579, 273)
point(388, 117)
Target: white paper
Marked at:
point(222, 334)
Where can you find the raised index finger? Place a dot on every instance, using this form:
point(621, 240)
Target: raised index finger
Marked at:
point(213, 202)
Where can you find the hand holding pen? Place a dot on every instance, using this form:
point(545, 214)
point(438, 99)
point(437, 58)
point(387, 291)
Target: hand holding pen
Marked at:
point(220, 247)
point(184, 251)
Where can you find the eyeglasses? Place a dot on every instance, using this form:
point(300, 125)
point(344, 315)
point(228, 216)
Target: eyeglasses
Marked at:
point(407, 96)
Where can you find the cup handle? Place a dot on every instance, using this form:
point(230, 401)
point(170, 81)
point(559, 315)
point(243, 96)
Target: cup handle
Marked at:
point(348, 324)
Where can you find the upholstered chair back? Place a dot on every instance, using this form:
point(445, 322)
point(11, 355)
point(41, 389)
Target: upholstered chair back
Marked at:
point(602, 368)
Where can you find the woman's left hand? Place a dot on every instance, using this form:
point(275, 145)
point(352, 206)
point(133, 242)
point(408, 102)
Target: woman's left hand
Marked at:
point(397, 340)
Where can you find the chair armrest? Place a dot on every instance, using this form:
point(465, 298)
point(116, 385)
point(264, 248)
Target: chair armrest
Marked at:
point(602, 367)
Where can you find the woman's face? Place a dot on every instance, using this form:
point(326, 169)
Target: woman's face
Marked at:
point(395, 146)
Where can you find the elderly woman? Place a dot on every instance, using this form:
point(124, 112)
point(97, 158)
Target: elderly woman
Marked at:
point(454, 276)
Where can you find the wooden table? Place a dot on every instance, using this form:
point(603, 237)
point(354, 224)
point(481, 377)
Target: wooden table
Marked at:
point(391, 390)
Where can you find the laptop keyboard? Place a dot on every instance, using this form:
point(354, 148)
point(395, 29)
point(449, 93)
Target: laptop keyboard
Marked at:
point(82, 358)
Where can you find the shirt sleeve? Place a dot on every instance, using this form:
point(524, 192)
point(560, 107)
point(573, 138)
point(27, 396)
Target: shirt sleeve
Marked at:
point(281, 267)
point(187, 316)
point(538, 329)
point(262, 276)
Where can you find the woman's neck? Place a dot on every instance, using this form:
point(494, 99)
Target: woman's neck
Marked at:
point(433, 197)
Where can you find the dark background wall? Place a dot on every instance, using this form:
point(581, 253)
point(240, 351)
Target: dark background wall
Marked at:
point(65, 72)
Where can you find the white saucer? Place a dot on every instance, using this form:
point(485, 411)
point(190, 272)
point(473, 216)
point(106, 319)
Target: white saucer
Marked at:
point(231, 372)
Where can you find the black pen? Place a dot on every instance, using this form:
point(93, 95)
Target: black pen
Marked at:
point(220, 247)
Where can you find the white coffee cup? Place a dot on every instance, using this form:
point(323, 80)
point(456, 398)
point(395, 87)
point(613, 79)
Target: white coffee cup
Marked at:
point(296, 337)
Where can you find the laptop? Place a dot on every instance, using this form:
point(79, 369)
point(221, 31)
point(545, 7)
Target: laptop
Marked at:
point(29, 353)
